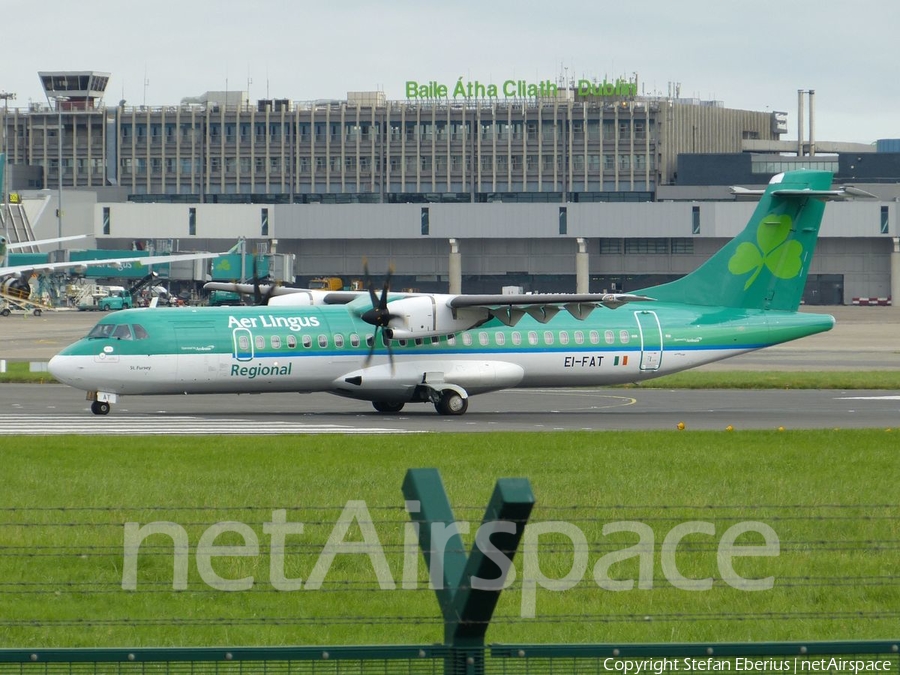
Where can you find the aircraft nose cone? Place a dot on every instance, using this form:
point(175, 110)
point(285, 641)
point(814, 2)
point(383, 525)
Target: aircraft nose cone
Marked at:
point(63, 368)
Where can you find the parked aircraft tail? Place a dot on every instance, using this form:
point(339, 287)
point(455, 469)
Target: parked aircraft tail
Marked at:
point(766, 265)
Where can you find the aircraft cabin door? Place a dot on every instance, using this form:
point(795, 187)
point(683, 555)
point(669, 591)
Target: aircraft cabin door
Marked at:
point(651, 340)
point(243, 344)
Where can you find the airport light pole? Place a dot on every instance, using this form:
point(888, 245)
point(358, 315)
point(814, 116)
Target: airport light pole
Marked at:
point(6, 96)
point(59, 167)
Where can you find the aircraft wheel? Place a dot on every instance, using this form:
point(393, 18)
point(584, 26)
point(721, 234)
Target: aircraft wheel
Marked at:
point(451, 403)
point(37, 311)
point(4, 311)
point(387, 406)
point(100, 408)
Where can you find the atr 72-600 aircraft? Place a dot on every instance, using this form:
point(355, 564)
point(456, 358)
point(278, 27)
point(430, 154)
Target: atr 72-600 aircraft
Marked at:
point(399, 348)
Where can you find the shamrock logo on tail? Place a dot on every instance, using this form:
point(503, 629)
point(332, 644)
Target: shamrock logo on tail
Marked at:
point(772, 250)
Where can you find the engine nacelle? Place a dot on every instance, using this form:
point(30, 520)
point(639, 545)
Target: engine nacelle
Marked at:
point(426, 316)
point(16, 287)
point(297, 298)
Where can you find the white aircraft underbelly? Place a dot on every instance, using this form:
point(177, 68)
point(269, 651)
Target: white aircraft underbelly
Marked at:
point(477, 373)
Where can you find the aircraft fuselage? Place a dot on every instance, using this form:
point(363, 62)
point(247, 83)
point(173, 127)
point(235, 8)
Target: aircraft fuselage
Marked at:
point(321, 348)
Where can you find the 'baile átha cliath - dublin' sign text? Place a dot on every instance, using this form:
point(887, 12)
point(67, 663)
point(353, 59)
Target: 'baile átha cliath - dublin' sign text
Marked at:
point(516, 89)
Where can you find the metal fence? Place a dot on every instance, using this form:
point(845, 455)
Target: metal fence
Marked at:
point(762, 658)
point(467, 610)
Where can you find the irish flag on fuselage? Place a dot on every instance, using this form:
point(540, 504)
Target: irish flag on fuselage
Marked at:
point(766, 265)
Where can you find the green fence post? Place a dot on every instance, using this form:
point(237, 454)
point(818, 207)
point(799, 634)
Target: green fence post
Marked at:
point(468, 587)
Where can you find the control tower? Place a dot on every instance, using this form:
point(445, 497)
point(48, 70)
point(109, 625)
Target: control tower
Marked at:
point(74, 89)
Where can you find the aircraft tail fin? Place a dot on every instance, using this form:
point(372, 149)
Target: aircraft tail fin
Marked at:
point(765, 266)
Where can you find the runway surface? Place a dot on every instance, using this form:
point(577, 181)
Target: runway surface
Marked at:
point(57, 409)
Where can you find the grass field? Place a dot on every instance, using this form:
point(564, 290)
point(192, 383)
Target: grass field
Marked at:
point(829, 496)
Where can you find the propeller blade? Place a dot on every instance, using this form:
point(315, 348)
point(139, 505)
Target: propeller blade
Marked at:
point(378, 315)
point(260, 298)
point(386, 288)
point(387, 342)
point(257, 294)
point(367, 282)
point(371, 349)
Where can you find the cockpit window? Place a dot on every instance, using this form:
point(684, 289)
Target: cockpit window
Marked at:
point(102, 330)
point(122, 332)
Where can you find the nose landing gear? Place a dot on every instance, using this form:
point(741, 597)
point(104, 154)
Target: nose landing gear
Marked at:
point(101, 401)
point(100, 408)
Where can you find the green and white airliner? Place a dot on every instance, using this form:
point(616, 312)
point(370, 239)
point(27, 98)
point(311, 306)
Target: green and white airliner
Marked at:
point(398, 348)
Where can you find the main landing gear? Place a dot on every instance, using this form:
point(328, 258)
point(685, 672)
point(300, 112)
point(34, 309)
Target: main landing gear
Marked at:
point(446, 402)
point(100, 408)
point(451, 403)
point(388, 406)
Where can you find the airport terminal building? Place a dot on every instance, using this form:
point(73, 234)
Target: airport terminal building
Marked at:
point(517, 186)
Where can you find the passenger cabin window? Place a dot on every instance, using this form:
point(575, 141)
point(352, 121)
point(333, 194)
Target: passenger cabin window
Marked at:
point(500, 338)
point(564, 338)
point(338, 340)
point(451, 340)
point(307, 341)
point(467, 339)
point(243, 343)
point(323, 341)
point(354, 340)
point(260, 342)
point(579, 337)
point(595, 337)
point(483, 339)
point(516, 338)
point(276, 342)
point(610, 337)
point(292, 341)
point(548, 337)
point(532, 337)
point(624, 337)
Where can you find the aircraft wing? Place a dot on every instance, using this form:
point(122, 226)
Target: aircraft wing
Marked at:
point(540, 306)
point(611, 300)
point(141, 260)
point(420, 314)
point(300, 296)
point(250, 289)
point(40, 242)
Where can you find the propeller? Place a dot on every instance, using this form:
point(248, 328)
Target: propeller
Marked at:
point(260, 298)
point(379, 315)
